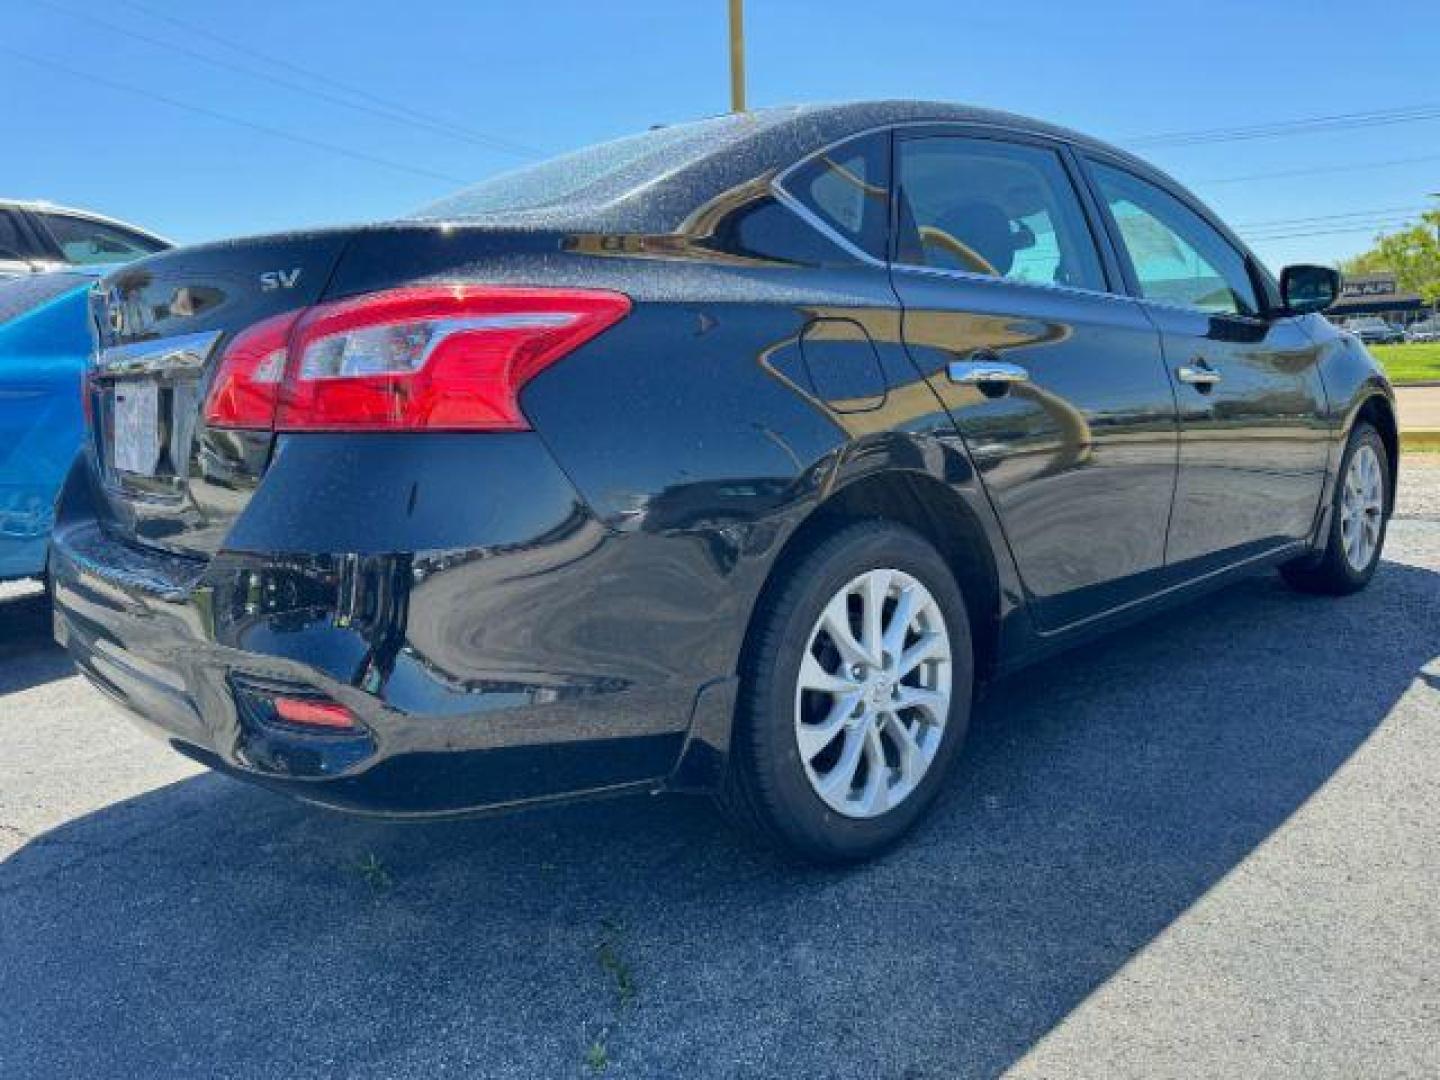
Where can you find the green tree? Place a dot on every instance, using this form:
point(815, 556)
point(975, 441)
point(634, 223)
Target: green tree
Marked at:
point(1367, 262)
point(1412, 255)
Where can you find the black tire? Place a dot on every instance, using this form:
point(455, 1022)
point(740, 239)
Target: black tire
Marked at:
point(1330, 572)
point(767, 790)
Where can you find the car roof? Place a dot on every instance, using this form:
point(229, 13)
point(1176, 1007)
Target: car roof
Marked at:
point(861, 115)
point(699, 161)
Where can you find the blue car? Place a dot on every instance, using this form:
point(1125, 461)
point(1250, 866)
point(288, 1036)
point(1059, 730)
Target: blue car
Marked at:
point(44, 346)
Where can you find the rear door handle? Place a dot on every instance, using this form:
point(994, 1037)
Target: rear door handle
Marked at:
point(977, 371)
point(1198, 374)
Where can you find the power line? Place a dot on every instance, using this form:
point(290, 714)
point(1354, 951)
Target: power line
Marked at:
point(214, 114)
point(1367, 223)
point(1321, 170)
point(401, 110)
point(1372, 228)
point(1307, 233)
point(1382, 213)
point(289, 84)
point(1302, 126)
point(1376, 222)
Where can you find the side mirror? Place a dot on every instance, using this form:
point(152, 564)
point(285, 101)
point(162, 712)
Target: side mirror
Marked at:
point(1307, 289)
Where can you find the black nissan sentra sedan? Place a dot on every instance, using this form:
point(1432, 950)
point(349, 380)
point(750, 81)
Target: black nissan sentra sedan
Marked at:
point(732, 457)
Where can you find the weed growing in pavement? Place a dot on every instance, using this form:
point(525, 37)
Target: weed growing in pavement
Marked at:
point(610, 956)
point(374, 872)
point(597, 1058)
point(607, 952)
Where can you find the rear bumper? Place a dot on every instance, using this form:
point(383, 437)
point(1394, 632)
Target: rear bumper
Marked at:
point(482, 678)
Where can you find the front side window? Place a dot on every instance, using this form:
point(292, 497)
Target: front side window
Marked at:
point(1005, 210)
point(848, 188)
point(91, 243)
point(1178, 257)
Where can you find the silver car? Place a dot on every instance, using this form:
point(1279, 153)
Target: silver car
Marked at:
point(1424, 330)
point(39, 236)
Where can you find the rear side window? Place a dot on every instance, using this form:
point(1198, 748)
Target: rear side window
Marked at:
point(1179, 258)
point(984, 206)
point(13, 245)
point(848, 188)
point(86, 242)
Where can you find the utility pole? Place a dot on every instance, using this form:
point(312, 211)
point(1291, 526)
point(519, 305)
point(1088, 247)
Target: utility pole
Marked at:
point(737, 56)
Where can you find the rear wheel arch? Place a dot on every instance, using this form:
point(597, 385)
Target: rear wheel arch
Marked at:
point(919, 502)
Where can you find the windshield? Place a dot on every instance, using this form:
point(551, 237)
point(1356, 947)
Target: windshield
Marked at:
point(593, 173)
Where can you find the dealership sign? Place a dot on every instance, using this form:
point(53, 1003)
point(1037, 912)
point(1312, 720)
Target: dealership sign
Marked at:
point(1370, 288)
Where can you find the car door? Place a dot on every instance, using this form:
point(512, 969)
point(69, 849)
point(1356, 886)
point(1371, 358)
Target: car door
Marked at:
point(1056, 383)
point(1254, 439)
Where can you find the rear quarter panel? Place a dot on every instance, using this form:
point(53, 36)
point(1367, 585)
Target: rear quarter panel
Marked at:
point(695, 429)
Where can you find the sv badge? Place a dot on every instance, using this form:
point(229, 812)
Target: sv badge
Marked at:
point(279, 279)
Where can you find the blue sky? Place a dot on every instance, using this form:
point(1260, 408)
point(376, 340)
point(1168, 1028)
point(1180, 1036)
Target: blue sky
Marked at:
point(475, 77)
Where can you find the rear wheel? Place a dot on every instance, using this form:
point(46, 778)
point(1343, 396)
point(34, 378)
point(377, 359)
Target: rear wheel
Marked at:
point(855, 698)
point(1358, 518)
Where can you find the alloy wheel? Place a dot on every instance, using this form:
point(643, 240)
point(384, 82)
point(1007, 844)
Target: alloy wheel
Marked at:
point(873, 694)
point(1362, 507)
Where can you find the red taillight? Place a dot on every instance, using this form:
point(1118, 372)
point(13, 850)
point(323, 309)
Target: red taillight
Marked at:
point(305, 712)
point(247, 386)
point(449, 358)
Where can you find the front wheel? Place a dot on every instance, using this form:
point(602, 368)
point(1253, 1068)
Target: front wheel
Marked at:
point(1358, 518)
point(856, 696)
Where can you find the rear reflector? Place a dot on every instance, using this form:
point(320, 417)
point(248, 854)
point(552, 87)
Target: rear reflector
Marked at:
point(446, 358)
point(307, 712)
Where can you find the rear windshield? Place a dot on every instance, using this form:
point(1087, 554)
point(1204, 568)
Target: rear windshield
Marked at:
point(22, 294)
point(595, 173)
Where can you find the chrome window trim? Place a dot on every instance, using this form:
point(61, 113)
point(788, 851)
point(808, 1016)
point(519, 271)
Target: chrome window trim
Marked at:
point(991, 280)
point(1190, 309)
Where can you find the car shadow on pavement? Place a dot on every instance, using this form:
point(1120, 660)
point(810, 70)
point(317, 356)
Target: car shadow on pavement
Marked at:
point(209, 927)
point(29, 655)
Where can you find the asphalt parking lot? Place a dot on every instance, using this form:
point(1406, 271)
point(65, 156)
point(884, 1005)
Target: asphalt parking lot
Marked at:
point(1209, 846)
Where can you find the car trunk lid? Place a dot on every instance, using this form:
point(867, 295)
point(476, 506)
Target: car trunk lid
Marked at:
point(161, 327)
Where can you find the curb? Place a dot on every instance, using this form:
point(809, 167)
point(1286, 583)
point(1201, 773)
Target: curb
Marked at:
point(1419, 384)
point(1420, 440)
